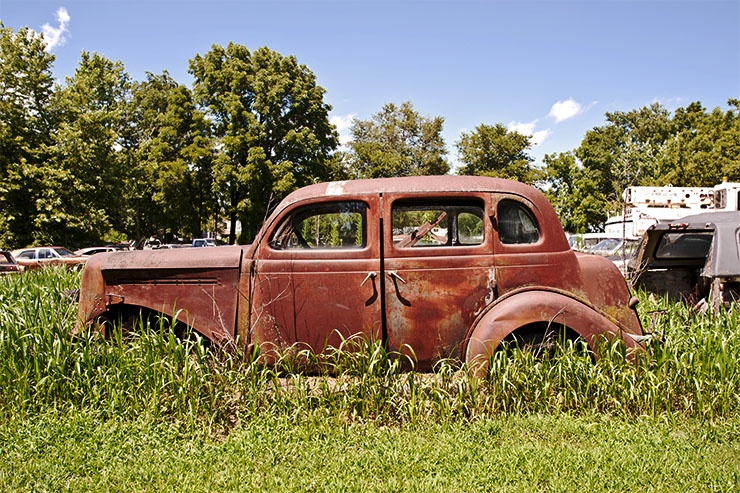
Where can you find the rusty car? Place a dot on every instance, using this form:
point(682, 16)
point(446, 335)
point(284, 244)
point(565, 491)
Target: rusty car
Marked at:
point(695, 259)
point(8, 264)
point(38, 257)
point(433, 267)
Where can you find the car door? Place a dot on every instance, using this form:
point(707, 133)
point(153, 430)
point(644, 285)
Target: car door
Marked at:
point(315, 281)
point(438, 272)
point(28, 258)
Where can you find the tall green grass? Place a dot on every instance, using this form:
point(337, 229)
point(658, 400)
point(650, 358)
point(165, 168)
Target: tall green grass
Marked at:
point(691, 370)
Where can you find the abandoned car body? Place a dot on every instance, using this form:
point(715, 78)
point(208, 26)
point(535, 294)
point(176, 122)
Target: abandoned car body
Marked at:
point(695, 259)
point(8, 263)
point(446, 266)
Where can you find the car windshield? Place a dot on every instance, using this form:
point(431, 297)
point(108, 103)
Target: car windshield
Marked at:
point(606, 244)
point(63, 252)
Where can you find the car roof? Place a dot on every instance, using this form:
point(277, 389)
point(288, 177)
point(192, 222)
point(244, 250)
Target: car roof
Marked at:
point(411, 184)
point(416, 184)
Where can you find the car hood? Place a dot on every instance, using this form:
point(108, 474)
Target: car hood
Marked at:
point(221, 257)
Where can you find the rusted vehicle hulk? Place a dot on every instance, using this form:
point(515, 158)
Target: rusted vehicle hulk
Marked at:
point(695, 259)
point(8, 263)
point(449, 266)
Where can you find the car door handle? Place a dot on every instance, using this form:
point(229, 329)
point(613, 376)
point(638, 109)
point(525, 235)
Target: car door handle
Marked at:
point(394, 275)
point(370, 275)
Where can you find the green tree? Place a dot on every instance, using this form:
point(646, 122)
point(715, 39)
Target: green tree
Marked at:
point(172, 179)
point(648, 147)
point(26, 127)
point(626, 151)
point(85, 199)
point(493, 150)
point(574, 194)
point(272, 127)
point(705, 147)
point(397, 141)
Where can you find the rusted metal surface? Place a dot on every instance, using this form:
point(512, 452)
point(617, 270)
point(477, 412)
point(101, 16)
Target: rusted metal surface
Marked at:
point(8, 264)
point(435, 267)
point(199, 290)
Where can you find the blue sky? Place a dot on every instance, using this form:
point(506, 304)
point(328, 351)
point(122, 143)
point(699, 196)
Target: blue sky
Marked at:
point(548, 68)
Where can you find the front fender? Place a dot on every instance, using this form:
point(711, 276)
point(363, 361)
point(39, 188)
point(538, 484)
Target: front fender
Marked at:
point(197, 286)
point(541, 307)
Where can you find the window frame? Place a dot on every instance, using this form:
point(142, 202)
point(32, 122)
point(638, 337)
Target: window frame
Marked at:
point(530, 212)
point(292, 219)
point(473, 205)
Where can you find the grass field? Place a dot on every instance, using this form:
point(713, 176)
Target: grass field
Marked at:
point(148, 413)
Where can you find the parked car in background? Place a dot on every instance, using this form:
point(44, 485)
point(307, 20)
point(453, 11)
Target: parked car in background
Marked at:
point(618, 250)
point(8, 263)
point(204, 242)
point(101, 249)
point(582, 242)
point(434, 267)
point(695, 258)
point(38, 257)
point(611, 247)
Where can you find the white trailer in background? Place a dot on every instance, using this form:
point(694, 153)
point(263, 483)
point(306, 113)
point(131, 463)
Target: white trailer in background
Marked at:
point(727, 196)
point(645, 206)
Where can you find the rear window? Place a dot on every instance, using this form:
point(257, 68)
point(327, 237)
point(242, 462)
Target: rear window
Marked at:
point(516, 223)
point(684, 245)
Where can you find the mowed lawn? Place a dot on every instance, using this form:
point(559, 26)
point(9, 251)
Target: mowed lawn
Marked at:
point(149, 414)
point(533, 453)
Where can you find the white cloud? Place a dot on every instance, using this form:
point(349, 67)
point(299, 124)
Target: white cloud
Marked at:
point(536, 136)
point(56, 36)
point(563, 110)
point(523, 128)
point(343, 124)
point(540, 136)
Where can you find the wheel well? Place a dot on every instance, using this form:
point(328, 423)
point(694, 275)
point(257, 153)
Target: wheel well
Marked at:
point(132, 318)
point(543, 336)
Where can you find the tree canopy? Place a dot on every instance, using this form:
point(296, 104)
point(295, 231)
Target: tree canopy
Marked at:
point(26, 127)
point(271, 124)
point(397, 141)
point(644, 147)
point(493, 150)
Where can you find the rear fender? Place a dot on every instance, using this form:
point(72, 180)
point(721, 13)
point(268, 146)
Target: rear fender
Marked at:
point(537, 308)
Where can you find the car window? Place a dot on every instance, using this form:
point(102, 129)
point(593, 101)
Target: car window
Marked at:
point(26, 254)
point(516, 223)
point(684, 245)
point(339, 225)
point(437, 223)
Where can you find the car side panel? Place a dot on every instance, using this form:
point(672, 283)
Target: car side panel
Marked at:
point(316, 297)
